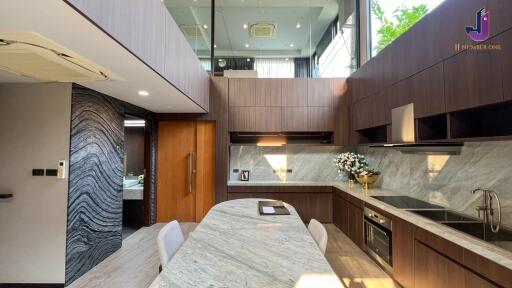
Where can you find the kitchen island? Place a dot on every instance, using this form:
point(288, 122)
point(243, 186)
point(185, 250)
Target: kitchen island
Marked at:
point(236, 247)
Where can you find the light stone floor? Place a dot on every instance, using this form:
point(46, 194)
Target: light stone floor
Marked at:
point(136, 263)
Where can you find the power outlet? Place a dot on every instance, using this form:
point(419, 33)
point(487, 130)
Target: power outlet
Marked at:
point(37, 172)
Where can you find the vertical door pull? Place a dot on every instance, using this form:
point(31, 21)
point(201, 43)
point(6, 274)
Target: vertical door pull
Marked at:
point(191, 172)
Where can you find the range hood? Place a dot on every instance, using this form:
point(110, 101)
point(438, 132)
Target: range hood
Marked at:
point(403, 136)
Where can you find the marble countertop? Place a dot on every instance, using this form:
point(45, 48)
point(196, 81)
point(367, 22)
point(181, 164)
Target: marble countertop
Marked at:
point(236, 247)
point(480, 247)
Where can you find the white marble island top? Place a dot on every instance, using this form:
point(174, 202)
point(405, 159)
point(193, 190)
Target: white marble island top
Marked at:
point(236, 247)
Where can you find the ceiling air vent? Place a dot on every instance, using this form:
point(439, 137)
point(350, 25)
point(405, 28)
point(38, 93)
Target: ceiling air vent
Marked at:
point(32, 55)
point(193, 30)
point(263, 30)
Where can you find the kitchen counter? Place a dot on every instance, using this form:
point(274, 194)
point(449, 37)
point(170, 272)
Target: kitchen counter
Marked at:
point(236, 247)
point(482, 248)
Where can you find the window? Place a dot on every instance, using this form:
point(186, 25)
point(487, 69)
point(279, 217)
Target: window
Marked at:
point(391, 18)
point(274, 67)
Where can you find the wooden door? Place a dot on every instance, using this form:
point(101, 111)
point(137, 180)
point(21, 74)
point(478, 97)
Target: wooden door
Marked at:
point(186, 170)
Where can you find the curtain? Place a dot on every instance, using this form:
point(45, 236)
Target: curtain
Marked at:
point(302, 67)
point(274, 67)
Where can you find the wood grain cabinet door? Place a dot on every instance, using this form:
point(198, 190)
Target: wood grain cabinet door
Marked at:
point(320, 92)
point(505, 40)
point(269, 92)
point(355, 225)
point(320, 119)
point(403, 252)
point(472, 79)
point(242, 119)
point(428, 92)
point(361, 114)
point(268, 119)
point(242, 92)
point(294, 92)
point(340, 212)
point(432, 269)
point(377, 109)
point(295, 119)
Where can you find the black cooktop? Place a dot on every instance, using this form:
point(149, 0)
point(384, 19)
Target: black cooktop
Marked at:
point(406, 202)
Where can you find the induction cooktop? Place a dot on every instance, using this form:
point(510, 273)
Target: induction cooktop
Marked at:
point(406, 202)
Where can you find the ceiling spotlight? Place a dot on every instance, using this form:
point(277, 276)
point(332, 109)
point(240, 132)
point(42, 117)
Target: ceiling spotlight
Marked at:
point(205, 26)
point(248, 59)
point(245, 26)
point(291, 45)
point(214, 46)
point(286, 59)
point(298, 25)
point(143, 93)
point(246, 45)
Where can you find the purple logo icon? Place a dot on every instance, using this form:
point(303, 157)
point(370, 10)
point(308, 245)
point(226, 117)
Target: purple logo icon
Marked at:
point(483, 26)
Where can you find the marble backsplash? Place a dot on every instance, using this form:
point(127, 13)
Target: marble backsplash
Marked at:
point(307, 162)
point(448, 180)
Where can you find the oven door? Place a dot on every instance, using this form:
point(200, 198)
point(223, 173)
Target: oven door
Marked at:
point(378, 243)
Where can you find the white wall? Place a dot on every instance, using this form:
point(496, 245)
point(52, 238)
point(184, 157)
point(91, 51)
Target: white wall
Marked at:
point(34, 133)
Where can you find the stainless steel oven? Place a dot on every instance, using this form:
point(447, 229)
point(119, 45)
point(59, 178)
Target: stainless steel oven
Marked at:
point(378, 240)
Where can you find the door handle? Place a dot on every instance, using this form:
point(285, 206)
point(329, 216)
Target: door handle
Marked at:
point(191, 172)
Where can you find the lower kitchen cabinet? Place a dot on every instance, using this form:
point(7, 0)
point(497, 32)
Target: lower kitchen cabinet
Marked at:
point(348, 216)
point(340, 212)
point(355, 226)
point(403, 249)
point(432, 269)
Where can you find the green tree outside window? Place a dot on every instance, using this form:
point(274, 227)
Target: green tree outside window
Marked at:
point(405, 18)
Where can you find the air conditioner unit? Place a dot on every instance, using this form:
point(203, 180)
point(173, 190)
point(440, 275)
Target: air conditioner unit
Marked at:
point(193, 31)
point(32, 55)
point(263, 30)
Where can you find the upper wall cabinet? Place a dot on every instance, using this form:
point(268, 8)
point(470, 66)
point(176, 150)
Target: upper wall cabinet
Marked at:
point(320, 92)
point(472, 79)
point(427, 89)
point(294, 92)
point(242, 92)
point(268, 92)
point(397, 95)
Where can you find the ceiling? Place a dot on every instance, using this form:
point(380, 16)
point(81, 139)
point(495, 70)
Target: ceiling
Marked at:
point(230, 16)
point(85, 40)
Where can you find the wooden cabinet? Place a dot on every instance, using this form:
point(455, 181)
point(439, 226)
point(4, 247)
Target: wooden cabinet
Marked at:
point(242, 119)
point(320, 119)
point(320, 92)
point(242, 92)
point(355, 224)
point(348, 216)
point(428, 92)
point(340, 211)
point(294, 119)
point(403, 249)
point(268, 92)
point(433, 269)
point(398, 95)
point(294, 92)
point(377, 108)
point(361, 114)
point(310, 202)
point(472, 79)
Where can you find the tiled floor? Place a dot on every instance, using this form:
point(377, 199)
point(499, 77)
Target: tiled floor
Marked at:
point(136, 263)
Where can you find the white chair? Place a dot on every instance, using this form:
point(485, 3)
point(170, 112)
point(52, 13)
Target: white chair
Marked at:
point(319, 233)
point(169, 240)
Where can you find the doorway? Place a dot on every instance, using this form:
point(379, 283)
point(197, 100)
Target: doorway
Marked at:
point(134, 174)
point(186, 170)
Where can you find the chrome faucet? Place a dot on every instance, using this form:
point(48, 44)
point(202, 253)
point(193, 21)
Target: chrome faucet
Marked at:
point(487, 209)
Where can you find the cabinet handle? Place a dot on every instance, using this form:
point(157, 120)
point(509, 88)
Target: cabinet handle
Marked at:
point(6, 196)
point(191, 172)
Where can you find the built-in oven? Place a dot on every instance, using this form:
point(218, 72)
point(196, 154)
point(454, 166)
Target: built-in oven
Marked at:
point(378, 240)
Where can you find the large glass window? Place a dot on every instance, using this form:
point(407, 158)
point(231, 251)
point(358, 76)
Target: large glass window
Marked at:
point(391, 18)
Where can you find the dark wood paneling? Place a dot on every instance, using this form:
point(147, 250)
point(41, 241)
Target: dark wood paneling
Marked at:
point(449, 249)
point(283, 189)
point(342, 113)
point(234, 196)
point(361, 114)
point(506, 61)
point(355, 225)
point(294, 119)
point(320, 92)
point(242, 119)
point(294, 92)
point(428, 92)
point(340, 212)
point(377, 106)
point(489, 269)
point(398, 95)
point(242, 92)
point(403, 252)
point(268, 92)
point(320, 119)
point(472, 79)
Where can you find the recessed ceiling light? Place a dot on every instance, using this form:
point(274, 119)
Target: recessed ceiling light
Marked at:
point(246, 45)
point(205, 26)
point(298, 25)
point(143, 93)
point(291, 45)
point(214, 46)
point(248, 59)
point(245, 26)
point(286, 59)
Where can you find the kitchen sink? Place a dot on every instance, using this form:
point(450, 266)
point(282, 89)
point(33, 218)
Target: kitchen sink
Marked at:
point(441, 215)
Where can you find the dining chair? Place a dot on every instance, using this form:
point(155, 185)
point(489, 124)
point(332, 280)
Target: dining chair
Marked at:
point(169, 240)
point(319, 233)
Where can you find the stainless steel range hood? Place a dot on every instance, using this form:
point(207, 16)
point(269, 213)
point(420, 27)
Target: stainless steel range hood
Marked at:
point(403, 136)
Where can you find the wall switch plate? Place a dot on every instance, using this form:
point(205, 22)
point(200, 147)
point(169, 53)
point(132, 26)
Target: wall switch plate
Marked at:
point(51, 172)
point(236, 170)
point(37, 172)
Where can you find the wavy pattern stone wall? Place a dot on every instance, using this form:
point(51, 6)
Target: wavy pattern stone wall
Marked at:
point(96, 178)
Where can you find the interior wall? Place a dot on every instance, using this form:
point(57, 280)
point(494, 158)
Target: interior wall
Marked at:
point(34, 133)
point(96, 178)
